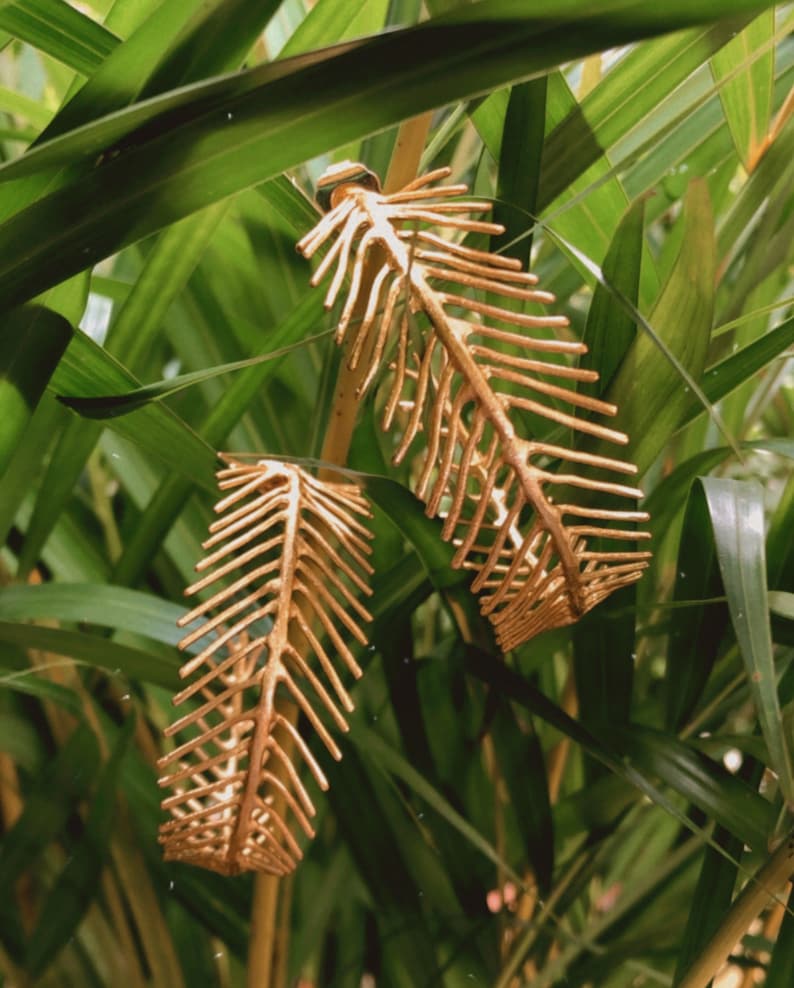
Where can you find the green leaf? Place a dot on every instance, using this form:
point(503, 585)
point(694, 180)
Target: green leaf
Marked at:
point(101, 604)
point(19, 741)
point(605, 673)
point(747, 72)
point(28, 681)
point(94, 651)
point(724, 797)
point(329, 21)
point(387, 758)
point(217, 38)
point(643, 78)
point(23, 106)
point(176, 44)
point(522, 770)
point(737, 517)
point(521, 149)
point(110, 406)
point(696, 633)
point(78, 883)
point(26, 463)
point(610, 329)
point(780, 548)
point(88, 369)
point(772, 176)
point(604, 657)
point(380, 837)
point(407, 513)
point(238, 131)
point(48, 805)
point(631, 752)
point(170, 497)
point(589, 210)
point(61, 30)
point(32, 340)
point(649, 391)
point(727, 375)
point(782, 603)
point(168, 267)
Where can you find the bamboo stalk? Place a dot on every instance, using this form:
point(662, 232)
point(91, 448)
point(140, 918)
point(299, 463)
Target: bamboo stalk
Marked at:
point(402, 169)
point(558, 757)
point(267, 964)
point(754, 897)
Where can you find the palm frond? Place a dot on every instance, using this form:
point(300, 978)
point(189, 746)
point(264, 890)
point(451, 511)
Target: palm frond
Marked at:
point(291, 554)
point(461, 389)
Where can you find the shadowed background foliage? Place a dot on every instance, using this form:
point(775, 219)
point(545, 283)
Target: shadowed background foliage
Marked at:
point(582, 813)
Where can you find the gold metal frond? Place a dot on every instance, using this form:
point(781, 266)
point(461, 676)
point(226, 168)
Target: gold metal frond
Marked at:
point(290, 555)
point(463, 390)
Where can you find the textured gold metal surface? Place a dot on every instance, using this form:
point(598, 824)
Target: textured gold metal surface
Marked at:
point(466, 378)
point(290, 553)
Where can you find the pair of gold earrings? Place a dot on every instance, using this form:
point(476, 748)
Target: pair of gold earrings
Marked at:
point(538, 522)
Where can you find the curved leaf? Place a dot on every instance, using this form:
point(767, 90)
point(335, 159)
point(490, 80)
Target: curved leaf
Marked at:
point(737, 517)
point(203, 143)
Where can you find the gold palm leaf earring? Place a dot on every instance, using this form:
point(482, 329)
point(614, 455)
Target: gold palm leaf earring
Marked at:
point(290, 554)
point(462, 391)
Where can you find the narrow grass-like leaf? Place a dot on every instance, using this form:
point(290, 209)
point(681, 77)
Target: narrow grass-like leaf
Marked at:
point(780, 548)
point(75, 887)
point(32, 341)
point(19, 740)
point(60, 30)
point(94, 603)
point(169, 499)
point(167, 268)
point(236, 132)
point(407, 514)
point(522, 771)
point(642, 79)
point(372, 820)
point(605, 674)
point(131, 662)
point(521, 149)
point(391, 761)
point(703, 782)
point(651, 394)
point(610, 329)
point(604, 656)
point(665, 503)
point(724, 377)
point(696, 633)
point(28, 681)
point(772, 174)
point(111, 406)
point(177, 44)
point(47, 807)
point(330, 21)
point(782, 603)
point(747, 96)
point(737, 517)
point(675, 763)
point(23, 106)
point(86, 368)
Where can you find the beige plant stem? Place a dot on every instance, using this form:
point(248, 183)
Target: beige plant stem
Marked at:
point(748, 905)
point(558, 756)
point(402, 169)
point(263, 961)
